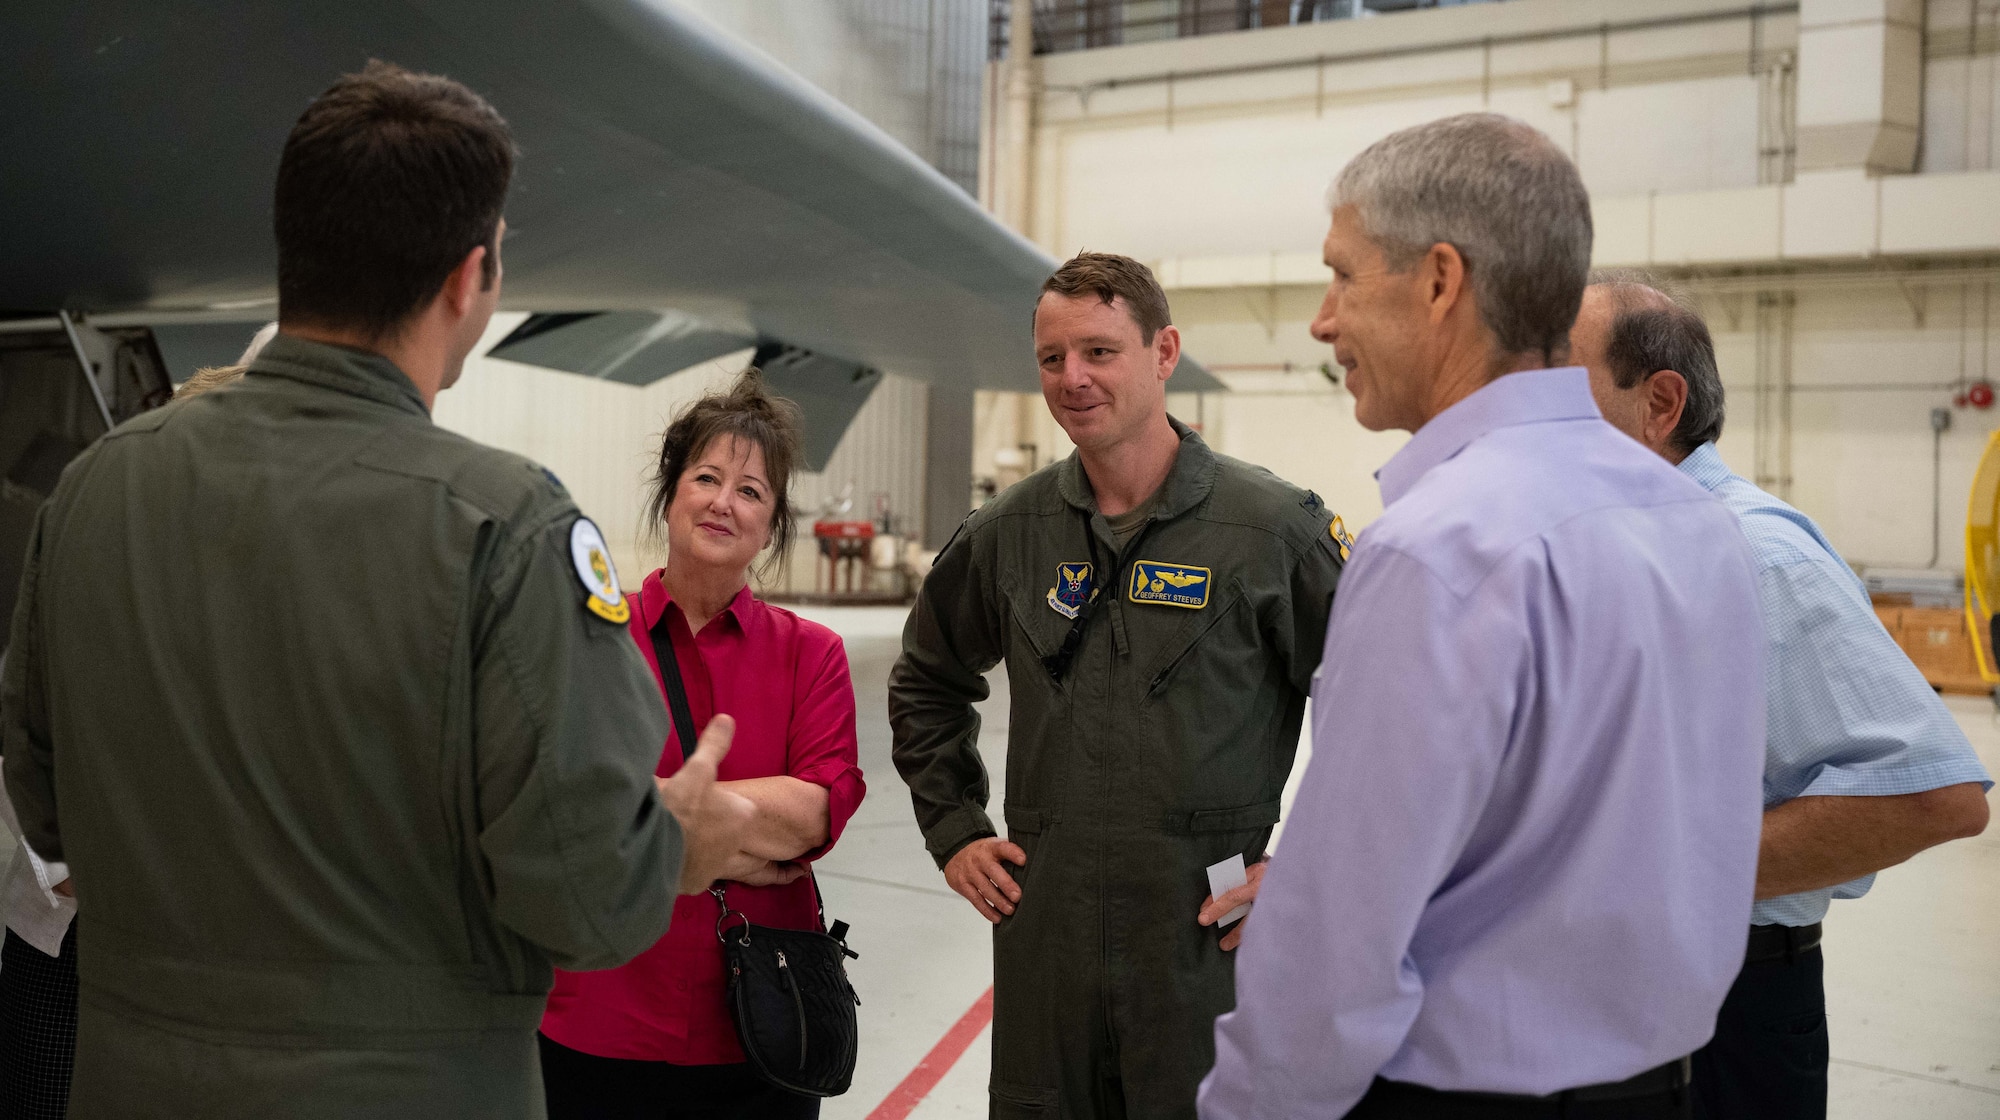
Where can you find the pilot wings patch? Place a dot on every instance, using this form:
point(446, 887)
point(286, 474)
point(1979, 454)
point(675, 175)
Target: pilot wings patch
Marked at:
point(1172, 585)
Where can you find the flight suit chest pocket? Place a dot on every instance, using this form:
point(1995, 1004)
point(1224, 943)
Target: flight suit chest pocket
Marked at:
point(1037, 616)
point(1223, 628)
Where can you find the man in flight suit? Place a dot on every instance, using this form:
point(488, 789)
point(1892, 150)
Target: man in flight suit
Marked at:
point(333, 713)
point(1160, 610)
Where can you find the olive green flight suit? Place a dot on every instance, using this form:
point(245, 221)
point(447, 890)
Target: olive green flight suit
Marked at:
point(305, 691)
point(1162, 749)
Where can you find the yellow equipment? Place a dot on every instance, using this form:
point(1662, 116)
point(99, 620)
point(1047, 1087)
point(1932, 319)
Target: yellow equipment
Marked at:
point(1982, 558)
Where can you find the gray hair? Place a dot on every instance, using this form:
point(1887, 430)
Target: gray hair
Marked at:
point(1500, 193)
point(1655, 327)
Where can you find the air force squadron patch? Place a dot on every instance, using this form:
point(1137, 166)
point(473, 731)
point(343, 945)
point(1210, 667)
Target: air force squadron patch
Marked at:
point(1343, 543)
point(592, 558)
point(1172, 585)
point(1072, 590)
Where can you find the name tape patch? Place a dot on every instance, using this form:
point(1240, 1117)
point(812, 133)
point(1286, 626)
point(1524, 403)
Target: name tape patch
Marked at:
point(1171, 585)
point(592, 558)
point(1072, 590)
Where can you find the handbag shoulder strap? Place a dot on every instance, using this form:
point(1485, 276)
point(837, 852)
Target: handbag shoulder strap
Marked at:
point(677, 695)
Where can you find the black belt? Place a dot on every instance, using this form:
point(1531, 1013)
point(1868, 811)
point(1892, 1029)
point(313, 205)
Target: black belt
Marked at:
point(1657, 1081)
point(1780, 943)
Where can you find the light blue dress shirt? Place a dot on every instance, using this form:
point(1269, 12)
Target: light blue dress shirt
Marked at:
point(1522, 857)
point(1849, 715)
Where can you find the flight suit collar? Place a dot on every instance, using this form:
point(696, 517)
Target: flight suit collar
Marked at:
point(1186, 487)
point(358, 373)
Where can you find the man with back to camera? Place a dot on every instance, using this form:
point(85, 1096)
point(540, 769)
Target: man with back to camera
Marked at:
point(1159, 608)
point(327, 709)
point(1515, 877)
point(1863, 765)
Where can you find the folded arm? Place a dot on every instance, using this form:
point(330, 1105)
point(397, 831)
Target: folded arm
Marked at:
point(792, 816)
point(799, 814)
point(1811, 843)
point(1866, 764)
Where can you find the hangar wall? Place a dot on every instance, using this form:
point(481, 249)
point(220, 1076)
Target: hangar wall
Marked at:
point(1847, 302)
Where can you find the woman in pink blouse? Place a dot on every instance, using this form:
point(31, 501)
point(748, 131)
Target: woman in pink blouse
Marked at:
point(654, 1038)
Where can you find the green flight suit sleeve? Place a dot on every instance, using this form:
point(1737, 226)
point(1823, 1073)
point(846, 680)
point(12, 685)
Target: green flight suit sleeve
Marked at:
point(1300, 631)
point(952, 638)
point(584, 859)
point(25, 737)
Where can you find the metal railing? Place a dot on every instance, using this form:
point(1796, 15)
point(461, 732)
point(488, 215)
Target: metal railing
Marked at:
point(1073, 25)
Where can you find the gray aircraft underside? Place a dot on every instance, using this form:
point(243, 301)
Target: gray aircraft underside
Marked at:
point(680, 196)
point(671, 175)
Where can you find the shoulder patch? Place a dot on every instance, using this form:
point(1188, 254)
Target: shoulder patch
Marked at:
point(1342, 543)
point(592, 558)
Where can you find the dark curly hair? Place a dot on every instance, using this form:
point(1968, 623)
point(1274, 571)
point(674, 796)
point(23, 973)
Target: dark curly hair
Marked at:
point(746, 410)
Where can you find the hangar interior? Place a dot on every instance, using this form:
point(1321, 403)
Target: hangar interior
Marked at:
point(1821, 176)
point(1827, 191)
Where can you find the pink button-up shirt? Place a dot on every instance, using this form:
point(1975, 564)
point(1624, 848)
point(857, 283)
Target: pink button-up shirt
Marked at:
point(785, 681)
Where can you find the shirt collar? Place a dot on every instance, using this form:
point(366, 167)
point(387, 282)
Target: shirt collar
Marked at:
point(359, 373)
point(653, 600)
point(1529, 397)
point(1705, 466)
point(1187, 484)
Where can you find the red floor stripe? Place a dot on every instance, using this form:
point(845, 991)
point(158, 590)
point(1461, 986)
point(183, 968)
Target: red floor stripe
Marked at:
point(904, 1098)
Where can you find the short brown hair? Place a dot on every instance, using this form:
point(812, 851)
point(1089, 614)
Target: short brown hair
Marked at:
point(208, 378)
point(746, 410)
point(1109, 276)
point(386, 182)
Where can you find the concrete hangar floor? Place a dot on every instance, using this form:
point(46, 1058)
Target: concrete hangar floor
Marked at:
point(1912, 970)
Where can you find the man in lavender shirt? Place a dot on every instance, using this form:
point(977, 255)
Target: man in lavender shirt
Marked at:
point(1516, 878)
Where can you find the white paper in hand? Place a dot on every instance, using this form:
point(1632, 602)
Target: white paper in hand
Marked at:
point(1225, 877)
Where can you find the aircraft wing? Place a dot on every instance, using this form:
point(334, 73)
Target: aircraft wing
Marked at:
point(678, 190)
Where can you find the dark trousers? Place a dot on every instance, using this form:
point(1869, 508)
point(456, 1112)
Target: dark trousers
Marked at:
point(1769, 1055)
point(37, 1028)
point(1400, 1100)
point(586, 1087)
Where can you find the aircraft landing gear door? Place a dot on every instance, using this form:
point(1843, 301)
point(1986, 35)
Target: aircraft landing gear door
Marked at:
point(62, 385)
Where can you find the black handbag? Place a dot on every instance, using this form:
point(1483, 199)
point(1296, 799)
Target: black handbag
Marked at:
point(788, 988)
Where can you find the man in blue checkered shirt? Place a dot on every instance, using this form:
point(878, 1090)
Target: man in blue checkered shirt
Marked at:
point(1863, 765)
